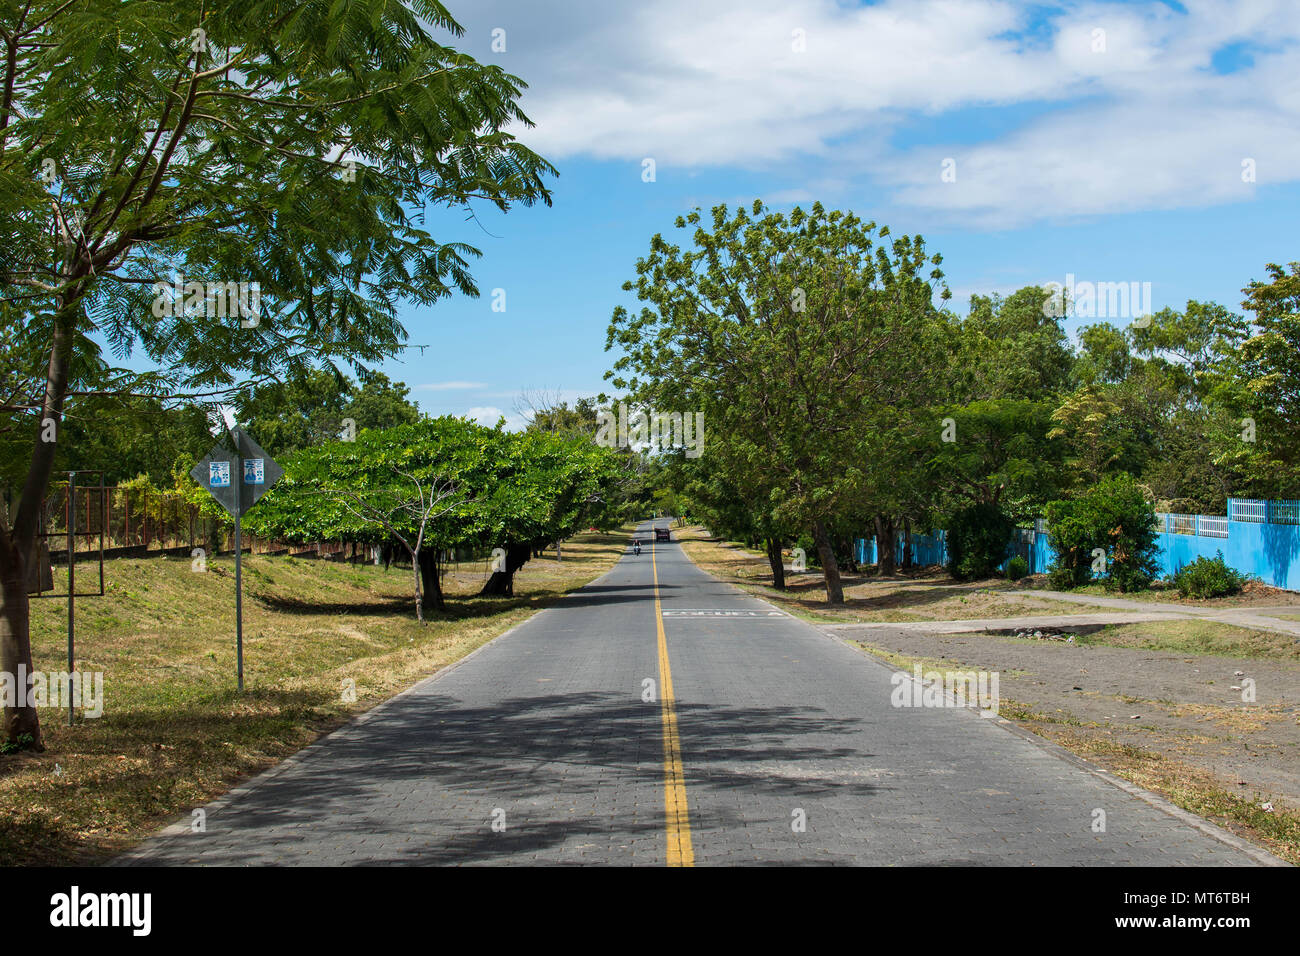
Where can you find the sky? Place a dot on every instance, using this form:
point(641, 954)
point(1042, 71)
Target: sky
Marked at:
point(1149, 141)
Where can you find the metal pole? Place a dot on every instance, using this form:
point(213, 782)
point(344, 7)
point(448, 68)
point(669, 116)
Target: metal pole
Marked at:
point(237, 478)
point(72, 579)
point(103, 520)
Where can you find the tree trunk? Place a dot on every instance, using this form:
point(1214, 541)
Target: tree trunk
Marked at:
point(502, 583)
point(831, 571)
point(774, 559)
point(430, 574)
point(885, 544)
point(908, 562)
point(850, 561)
point(18, 546)
point(15, 643)
point(419, 597)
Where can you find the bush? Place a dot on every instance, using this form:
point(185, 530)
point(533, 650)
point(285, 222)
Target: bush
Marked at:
point(979, 537)
point(1115, 517)
point(1017, 568)
point(1208, 578)
point(811, 558)
point(1060, 578)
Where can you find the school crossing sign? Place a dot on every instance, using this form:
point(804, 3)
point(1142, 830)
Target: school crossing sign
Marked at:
point(237, 472)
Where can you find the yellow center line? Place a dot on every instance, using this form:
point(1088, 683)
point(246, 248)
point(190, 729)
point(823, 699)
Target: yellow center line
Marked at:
point(677, 817)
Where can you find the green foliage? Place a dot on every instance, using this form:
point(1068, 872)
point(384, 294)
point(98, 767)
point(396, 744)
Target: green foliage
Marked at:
point(1113, 516)
point(1011, 348)
point(1208, 578)
point(311, 406)
point(294, 148)
point(495, 488)
point(1017, 568)
point(1000, 455)
point(978, 539)
point(1063, 578)
point(1271, 374)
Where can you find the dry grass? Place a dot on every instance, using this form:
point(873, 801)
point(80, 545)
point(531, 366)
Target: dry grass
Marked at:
point(924, 595)
point(1197, 637)
point(1253, 594)
point(175, 732)
point(1194, 789)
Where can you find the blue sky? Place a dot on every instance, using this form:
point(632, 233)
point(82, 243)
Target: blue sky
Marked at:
point(1104, 140)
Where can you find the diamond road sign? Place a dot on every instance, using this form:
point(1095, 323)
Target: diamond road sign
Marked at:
point(246, 463)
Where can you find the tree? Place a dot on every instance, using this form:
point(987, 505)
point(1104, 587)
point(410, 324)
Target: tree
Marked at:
point(231, 190)
point(414, 485)
point(394, 511)
point(1271, 360)
point(1000, 455)
point(318, 405)
point(547, 412)
point(1111, 527)
point(796, 336)
point(1012, 348)
point(546, 488)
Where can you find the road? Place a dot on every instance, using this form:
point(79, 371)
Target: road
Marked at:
point(658, 717)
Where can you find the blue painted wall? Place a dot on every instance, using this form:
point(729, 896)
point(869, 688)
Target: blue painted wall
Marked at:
point(1265, 550)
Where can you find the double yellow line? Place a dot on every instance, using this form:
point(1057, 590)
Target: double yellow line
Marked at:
point(677, 817)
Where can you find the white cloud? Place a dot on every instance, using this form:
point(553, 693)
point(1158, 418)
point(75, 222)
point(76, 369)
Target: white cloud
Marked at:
point(489, 415)
point(1142, 123)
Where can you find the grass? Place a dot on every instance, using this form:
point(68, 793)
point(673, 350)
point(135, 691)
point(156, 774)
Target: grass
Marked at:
point(175, 732)
point(1197, 637)
point(1253, 594)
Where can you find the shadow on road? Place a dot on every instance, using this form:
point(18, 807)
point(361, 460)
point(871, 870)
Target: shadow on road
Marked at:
point(422, 778)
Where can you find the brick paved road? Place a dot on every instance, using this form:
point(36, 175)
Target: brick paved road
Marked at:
point(545, 730)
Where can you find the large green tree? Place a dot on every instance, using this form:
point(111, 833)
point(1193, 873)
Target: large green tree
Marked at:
point(796, 335)
point(230, 189)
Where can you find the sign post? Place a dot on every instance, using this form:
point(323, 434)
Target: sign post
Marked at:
point(232, 464)
point(72, 580)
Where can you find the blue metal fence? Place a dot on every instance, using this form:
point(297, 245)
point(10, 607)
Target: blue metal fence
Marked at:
point(1259, 538)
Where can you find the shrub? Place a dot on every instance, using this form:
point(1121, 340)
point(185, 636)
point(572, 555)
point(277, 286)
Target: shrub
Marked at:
point(1208, 578)
point(978, 539)
point(1017, 568)
point(1113, 516)
point(1060, 578)
point(811, 558)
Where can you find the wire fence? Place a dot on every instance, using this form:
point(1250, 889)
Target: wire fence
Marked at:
point(139, 522)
